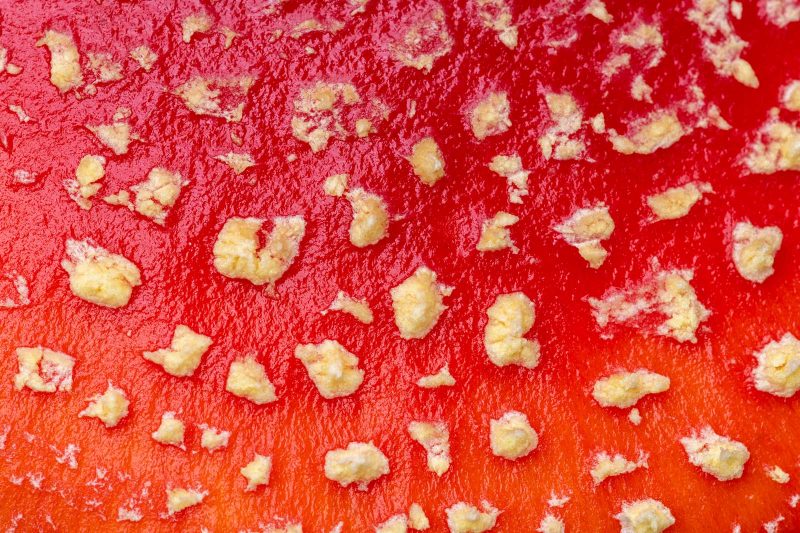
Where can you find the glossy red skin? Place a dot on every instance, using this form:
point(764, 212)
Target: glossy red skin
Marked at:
point(711, 381)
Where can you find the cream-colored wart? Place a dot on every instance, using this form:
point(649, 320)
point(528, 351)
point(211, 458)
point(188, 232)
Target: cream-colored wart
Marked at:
point(248, 379)
point(557, 142)
point(213, 439)
point(43, 370)
point(183, 356)
point(394, 524)
point(585, 229)
point(157, 194)
point(510, 167)
point(423, 40)
point(417, 519)
point(180, 499)
point(625, 389)
point(778, 370)
point(109, 407)
point(463, 517)
point(644, 516)
point(442, 378)
point(777, 474)
point(495, 234)
point(781, 13)
point(754, 250)
point(719, 456)
point(644, 36)
point(435, 439)
point(257, 472)
point(358, 309)
point(313, 106)
point(116, 136)
point(236, 252)
point(676, 202)
point(104, 69)
point(777, 149)
point(427, 161)
point(511, 436)
point(659, 130)
point(216, 97)
point(605, 466)
point(65, 66)
point(722, 45)
point(236, 161)
point(333, 369)
point(370, 218)
point(551, 524)
point(144, 56)
point(360, 463)
point(511, 317)
point(496, 15)
point(335, 185)
point(598, 10)
point(418, 303)
point(89, 172)
point(170, 431)
point(490, 116)
point(791, 93)
point(195, 23)
point(98, 276)
point(666, 292)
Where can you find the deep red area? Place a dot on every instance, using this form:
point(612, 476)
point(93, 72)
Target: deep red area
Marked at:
point(439, 228)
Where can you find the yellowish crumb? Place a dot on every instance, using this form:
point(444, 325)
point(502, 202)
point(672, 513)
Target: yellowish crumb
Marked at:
point(65, 67)
point(335, 185)
point(417, 518)
point(333, 369)
point(585, 229)
point(359, 309)
point(511, 317)
point(676, 202)
point(257, 472)
point(213, 439)
point(43, 370)
point(510, 167)
point(605, 466)
point(659, 130)
point(511, 436)
point(466, 518)
point(435, 439)
point(370, 218)
point(644, 516)
point(98, 276)
point(427, 161)
point(442, 378)
point(183, 356)
point(170, 431)
point(360, 463)
point(719, 456)
point(418, 303)
point(248, 379)
point(109, 407)
point(778, 369)
point(180, 499)
point(624, 389)
point(238, 162)
point(491, 116)
point(754, 250)
point(195, 23)
point(144, 56)
point(236, 252)
point(495, 234)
